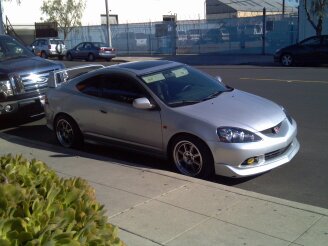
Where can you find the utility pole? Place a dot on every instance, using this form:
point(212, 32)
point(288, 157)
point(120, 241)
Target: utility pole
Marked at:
point(109, 33)
point(2, 30)
point(283, 8)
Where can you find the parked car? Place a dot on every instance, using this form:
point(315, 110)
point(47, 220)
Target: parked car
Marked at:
point(171, 109)
point(48, 47)
point(23, 79)
point(312, 50)
point(91, 51)
point(215, 35)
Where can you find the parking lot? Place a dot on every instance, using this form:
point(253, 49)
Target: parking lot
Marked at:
point(303, 91)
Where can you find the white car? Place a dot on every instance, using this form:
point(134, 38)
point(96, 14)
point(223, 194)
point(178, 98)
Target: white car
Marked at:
point(49, 47)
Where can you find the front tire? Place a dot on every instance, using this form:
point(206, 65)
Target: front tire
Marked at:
point(287, 60)
point(69, 57)
point(192, 157)
point(67, 132)
point(44, 55)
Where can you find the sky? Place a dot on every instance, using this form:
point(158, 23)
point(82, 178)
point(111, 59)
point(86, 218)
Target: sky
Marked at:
point(128, 11)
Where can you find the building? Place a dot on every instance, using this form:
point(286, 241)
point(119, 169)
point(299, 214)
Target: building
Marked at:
point(220, 9)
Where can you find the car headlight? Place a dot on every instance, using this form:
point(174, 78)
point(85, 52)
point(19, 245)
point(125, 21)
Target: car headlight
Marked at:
point(5, 89)
point(236, 135)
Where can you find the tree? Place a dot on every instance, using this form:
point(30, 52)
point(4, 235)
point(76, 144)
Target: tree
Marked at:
point(67, 13)
point(316, 14)
point(2, 30)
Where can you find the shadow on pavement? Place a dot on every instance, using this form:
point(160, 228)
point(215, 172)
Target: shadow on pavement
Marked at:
point(40, 137)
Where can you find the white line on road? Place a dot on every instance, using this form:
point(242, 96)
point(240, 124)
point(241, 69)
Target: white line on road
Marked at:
point(288, 81)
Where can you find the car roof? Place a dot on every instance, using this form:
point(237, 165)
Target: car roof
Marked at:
point(146, 67)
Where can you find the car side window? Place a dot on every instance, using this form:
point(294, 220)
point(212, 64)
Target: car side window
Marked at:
point(80, 47)
point(121, 88)
point(87, 46)
point(90, 86)
point(311, 41)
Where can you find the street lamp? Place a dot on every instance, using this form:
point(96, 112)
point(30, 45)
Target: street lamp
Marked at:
point(109, 33)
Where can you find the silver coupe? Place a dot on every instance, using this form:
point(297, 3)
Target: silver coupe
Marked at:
point(173, 110)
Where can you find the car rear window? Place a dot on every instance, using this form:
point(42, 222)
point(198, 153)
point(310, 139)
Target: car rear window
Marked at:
point(56, 41)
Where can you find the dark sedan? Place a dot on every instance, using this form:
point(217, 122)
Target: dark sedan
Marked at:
point(91, 51)
point(311, 50)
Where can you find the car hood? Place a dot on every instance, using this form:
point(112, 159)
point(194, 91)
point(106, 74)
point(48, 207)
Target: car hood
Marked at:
point(237, 109)
point(28, 64)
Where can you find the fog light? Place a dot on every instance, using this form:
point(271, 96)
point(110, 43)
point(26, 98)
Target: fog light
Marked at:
point(251, 161)
point(8, 108)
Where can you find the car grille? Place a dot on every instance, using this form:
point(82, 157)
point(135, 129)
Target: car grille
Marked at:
point(35, 81)
point(274, 154)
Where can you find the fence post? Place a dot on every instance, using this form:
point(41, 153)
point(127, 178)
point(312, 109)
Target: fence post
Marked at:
point(263, 31)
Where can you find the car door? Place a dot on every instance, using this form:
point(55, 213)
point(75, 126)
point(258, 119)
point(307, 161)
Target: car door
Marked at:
point(87, 49)
point(105, 111)
point(77, 51)
point(121, 121)
point(309, 50)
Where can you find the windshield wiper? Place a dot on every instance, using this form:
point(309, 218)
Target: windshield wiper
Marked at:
point(183, 103)
point(213, 95)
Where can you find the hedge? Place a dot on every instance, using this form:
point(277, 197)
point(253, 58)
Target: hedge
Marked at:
point(39, 208)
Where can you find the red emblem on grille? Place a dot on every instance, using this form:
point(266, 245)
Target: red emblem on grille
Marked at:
point(276, 129)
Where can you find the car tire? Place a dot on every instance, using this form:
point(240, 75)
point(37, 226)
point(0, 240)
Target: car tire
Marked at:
point(67, 132)
point(69, 57)
point(108, 59)
point(44, 55)
point(191, 157)
point(91, 57)
point(287, 60)
point(61, 57)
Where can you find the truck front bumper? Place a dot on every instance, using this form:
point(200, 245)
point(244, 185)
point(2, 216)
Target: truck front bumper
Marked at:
point(30, 106)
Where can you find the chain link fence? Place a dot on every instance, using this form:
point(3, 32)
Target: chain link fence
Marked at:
point(249, 35)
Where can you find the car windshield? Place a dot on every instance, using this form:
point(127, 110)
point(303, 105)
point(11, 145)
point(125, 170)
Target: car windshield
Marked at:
point(11, 49)
point(183, 85)
point(56, 41)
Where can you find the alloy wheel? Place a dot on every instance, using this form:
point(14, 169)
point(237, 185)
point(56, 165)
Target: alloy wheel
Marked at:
point(287, 60)
point(65, 133)
point(187, 158)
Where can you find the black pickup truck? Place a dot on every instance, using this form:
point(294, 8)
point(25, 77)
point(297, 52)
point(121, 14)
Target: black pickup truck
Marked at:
point(23, 79)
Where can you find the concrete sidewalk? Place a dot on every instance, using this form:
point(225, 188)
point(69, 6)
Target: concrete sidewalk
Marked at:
point(155, 207)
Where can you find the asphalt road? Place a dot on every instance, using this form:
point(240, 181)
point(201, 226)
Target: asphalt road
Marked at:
point(303, 91)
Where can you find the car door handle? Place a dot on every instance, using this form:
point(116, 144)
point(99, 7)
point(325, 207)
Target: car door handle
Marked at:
point(103, 111)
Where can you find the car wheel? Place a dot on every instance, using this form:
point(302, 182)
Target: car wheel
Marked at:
point(67, 132)
point(91, 57)
point(44, 55)
point(192, 157)
point(108, 59)
point(69, 57)
point(287, 60)
point(60, 57)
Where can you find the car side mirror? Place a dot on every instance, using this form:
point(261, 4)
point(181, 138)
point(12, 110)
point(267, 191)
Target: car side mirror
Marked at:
point(142, 103)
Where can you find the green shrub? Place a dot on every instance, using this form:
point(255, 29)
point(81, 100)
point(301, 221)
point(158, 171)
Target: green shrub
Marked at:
point(39, 208)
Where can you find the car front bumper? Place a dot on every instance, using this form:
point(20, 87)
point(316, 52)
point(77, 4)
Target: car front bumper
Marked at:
point(32, 106)
point(231, 159)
